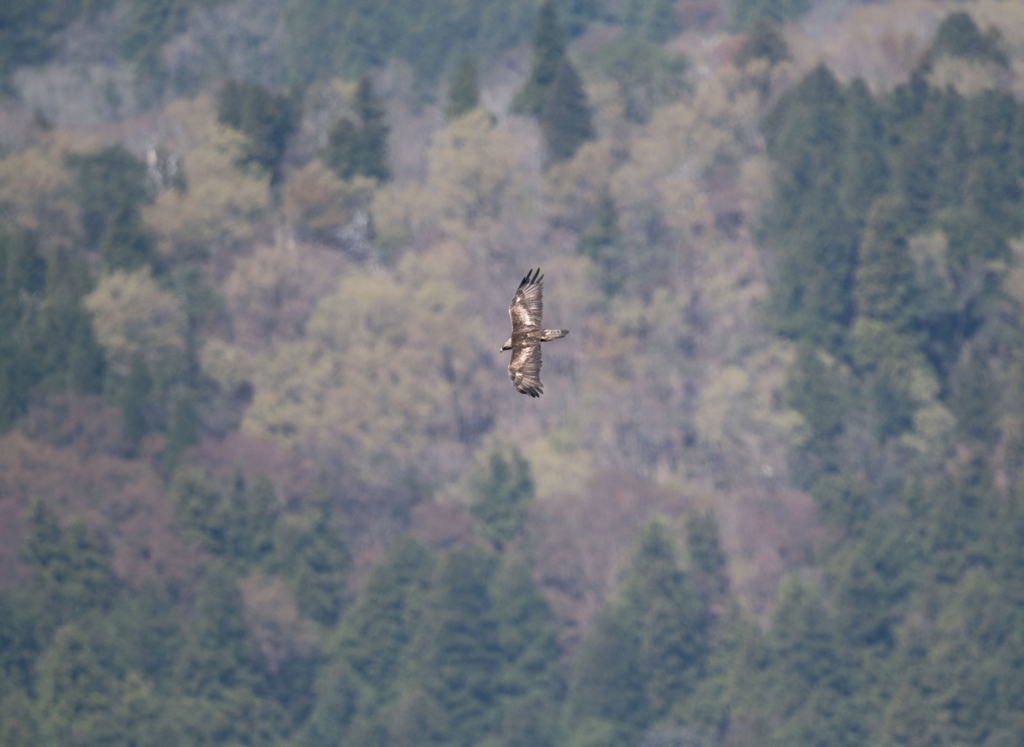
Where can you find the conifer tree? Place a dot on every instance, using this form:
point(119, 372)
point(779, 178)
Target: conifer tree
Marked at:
point(865, 172)
point(310, 549)
point(182, 432)
point(606, 690)
point(17, 722)
point(126, 243)
point(464, 91)
point(503, 497)
point(548, 52)
point(458, 654)
point(672, 621)
point(360, 150)
point(76, 693)
point(526, 630)
point(650, 20)
point(764, 42)
point(107, 182)
point(565, 118)
point(267, 118)
point(73, 568)
point(707, 557)
point(601, 241)
point(217, 655)
point(134, 398)
point(374, 139)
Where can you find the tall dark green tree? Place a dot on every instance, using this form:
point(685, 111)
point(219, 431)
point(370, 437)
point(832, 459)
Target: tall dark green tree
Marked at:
point(134, 399)
point(268, 119)
point(182, 432)
point(565, 119)
point(601, 241)
point(360, 149)
point(526, 631)
point(548, 52)
point(464, 91)
point(23, 273)
point(650, 20)
point(503, 497)
point(310, 551)
point(72, 566)
point(107, 182)
point(458, 654)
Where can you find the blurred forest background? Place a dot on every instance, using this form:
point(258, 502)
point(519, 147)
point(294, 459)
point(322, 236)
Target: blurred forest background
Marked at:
point(264, 480)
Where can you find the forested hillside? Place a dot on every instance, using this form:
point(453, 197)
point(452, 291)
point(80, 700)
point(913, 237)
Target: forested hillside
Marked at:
point(264, 480)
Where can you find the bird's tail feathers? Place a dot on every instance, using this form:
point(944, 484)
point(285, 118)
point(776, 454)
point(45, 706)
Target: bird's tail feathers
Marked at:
point(553, 334)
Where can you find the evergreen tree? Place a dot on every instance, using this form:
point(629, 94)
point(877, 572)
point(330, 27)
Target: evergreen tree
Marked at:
point(311, 551)
point(959, 36)
point(503, 497)
point(865, 172)
point(464, 91)
point(707, 557)
point(764, 42)
point(606, 690)
point(182, 432)
point(360, 150)
point(134, 399)
point(373, 158)
point(458, 652)
point(217, 655)
point(548, 52)
point(76, 693)
point(146, 632)
point(601, 241)
point(672, 621)
point(806, 224)
point(17, 722)
point(73, 569)
point(107, 183)
point(650, 20)
point(526, 630)
point(203, 514)
point(565, 118)
point(126, 243)
point(267, 118)
point(22, 282)
point(342, 152)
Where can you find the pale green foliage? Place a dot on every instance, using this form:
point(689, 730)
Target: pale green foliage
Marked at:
point(221, 203)
point(475, 173)
point(131, 315)
point(380, 369)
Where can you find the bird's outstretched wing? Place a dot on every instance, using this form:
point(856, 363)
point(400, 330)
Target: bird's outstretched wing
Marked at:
point(527, 306)
point(524, 369)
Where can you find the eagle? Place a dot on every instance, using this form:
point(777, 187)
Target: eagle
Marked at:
point(527, 334)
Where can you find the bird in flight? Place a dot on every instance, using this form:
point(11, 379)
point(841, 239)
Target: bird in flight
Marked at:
point(526, 309)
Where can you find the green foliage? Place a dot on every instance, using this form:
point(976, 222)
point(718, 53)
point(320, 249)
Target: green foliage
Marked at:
point(312, 549)
point(72, 567)
point(463, 92)
point(565, 118)
point(526, 633)
point(22, 281)
point(707, 558)
point(360, 150)
point(108, 182)
point(763, 42)
point(959, 36)
point(503, 497)
point(267, 119)
point(216, 656)
point(134, 399)
point(647, 75)
point(182, 432)
point(348, 37)
point(548, 52)
point(458, 654)
point(76, 693)
point(746, 13)
point(650, 20)
point(602, 242)
point(27, 28)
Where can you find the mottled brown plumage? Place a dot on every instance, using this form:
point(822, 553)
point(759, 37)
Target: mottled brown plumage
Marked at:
point(527, 334)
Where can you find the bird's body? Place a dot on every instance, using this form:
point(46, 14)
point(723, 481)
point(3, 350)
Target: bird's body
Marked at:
point(528, 333)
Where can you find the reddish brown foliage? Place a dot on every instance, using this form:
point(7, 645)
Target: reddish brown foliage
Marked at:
point(118, 497)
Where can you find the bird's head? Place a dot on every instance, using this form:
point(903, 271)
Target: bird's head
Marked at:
point(506, 346)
